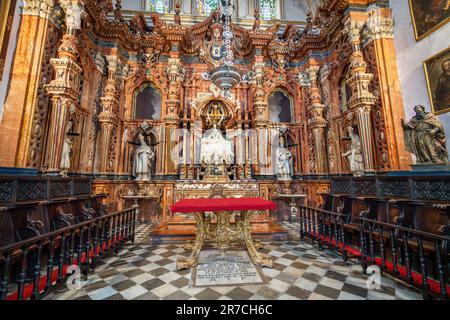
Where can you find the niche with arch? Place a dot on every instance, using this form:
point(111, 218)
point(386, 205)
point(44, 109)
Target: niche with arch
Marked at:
point(280, 106)
point(147, 102)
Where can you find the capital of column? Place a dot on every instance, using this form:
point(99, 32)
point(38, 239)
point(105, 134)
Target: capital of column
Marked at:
point(74, 11)
point(353, 30)
point(41, 8)
point(380, 23)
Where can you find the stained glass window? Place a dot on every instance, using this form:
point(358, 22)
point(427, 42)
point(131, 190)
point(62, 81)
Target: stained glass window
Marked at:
point(160, 6)
point(269, 9)
point(205, 7)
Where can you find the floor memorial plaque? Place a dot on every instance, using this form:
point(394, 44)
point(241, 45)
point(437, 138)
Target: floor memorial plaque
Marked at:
point(231, 267)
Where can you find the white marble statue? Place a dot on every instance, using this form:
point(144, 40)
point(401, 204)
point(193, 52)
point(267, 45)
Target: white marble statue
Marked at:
point(64, 164)
point(354, 153)
point(215, 149)
point(284, 162)
point(142, 161)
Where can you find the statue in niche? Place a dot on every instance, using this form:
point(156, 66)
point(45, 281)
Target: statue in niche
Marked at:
point(64, 164)
point(215, 149)
point(143, 158)
point(285, 168)
point(354, 153)
point(425, 137)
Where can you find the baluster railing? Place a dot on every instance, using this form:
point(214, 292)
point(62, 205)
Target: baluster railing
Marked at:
point(60, 249)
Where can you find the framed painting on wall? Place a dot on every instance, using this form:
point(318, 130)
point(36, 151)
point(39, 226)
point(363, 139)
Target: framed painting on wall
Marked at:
point(437, 73)
point(428, 15)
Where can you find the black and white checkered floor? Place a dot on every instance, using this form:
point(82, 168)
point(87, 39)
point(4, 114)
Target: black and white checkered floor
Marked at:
point(301, 271)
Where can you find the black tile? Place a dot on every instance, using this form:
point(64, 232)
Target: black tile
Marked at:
point(298, 292)
point(152, 284)
point(239, 294)
point(158, 272)
point(362, 292)
point(123, 285)
point(327, 291)
point(335, 275)
point(311, 276)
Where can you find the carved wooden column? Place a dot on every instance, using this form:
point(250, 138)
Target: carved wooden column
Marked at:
point(317, 123)
point(22, 128)
point(260, 117)
point(175, 77)
point(362, 100)
point(65, 88)
point(379, 47)
point(109, 115)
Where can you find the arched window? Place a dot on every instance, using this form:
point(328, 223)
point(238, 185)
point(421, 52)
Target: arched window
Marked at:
point(147, 103)
point(345, 91)
point(160, 6)
point(280, 106)
point(205, 7)
point(269, 9)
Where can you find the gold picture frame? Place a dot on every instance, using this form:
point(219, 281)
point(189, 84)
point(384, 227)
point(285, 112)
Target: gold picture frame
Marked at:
point(438, 81)
point(428, 22)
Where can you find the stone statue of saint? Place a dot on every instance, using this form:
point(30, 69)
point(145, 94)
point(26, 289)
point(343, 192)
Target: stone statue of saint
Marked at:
point(215, 149)
point(354, 153)
point(285, 168)
point(425, 137)
point(142, 161)
point(64, 164)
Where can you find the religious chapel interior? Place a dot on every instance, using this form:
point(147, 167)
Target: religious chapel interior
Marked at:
point(224, 150)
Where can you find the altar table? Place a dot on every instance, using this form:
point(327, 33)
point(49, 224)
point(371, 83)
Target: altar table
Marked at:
point(223, 232)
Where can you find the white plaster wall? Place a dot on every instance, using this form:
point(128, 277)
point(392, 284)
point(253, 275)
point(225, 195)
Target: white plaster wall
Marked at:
point(9, 57)
point(410, 57)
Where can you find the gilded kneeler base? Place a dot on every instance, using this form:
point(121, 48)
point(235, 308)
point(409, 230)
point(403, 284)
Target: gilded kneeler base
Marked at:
point(224, 233)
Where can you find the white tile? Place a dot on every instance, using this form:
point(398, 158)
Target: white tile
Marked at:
point(303, 283)
point(160, 250)
point(133, 292)
point(315, 296)
point(102, 293)
point(278, 285)
point(348, 296)
point(283, 261)
point(286, 296)
point(142, 278)
point(373, 295)
point(115, 279)
point(332, 283)
point(169, 277)
point(149, 267)
point(154, 258)
point(317, 270)
point(164, 290)
point(270, 272)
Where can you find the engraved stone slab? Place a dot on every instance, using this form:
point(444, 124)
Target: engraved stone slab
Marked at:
point(231, 267)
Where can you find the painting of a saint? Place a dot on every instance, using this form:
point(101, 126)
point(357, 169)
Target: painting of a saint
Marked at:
point(437, 72)
point(428, 15)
